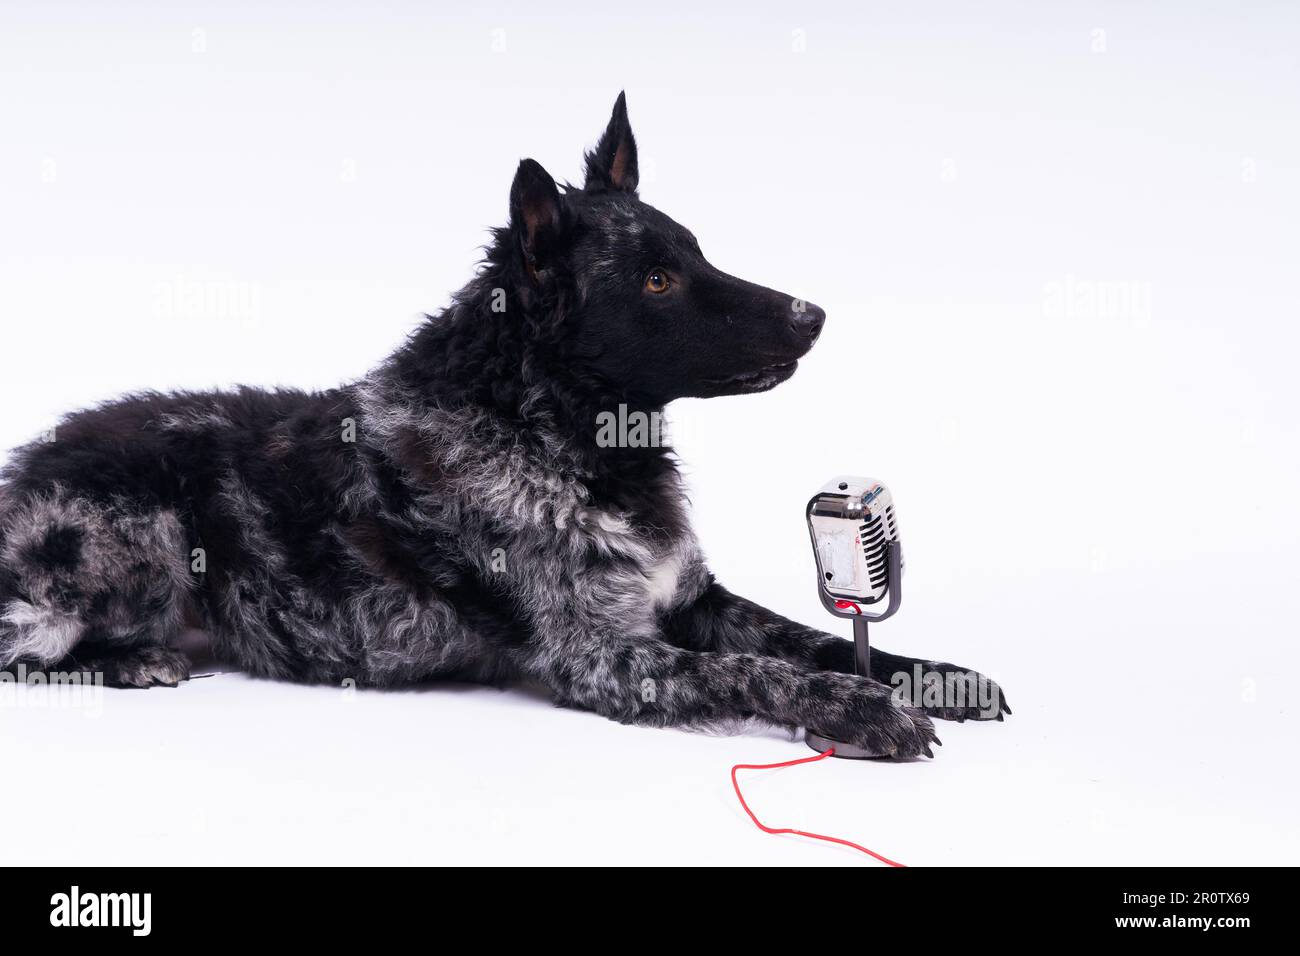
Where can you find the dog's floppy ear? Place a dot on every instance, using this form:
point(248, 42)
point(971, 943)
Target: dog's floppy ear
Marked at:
point(536, 216)
point(612, 164)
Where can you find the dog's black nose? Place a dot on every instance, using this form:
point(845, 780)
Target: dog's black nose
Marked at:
point(808, 321)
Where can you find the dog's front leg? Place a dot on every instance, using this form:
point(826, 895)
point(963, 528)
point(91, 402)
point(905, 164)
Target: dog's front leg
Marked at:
point(721, 621)
point(646, 680)
point(718, 620)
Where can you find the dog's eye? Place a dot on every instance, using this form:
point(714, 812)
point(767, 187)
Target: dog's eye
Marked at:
point(657, 282)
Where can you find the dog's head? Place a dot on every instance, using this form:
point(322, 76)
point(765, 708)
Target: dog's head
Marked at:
point(650, 316)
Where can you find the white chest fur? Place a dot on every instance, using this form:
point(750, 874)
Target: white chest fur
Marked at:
point(663, 578)
point(651, 574)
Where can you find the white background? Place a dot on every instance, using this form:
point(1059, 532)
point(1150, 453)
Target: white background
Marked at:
point(1057, 249)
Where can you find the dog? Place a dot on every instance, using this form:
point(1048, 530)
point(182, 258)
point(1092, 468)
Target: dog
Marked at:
point(453, 514)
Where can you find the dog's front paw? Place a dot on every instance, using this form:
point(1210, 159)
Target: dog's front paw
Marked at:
point(863, 712)
point(950, 692)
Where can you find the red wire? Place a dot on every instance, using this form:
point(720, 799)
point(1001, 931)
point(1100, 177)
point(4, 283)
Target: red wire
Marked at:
point(803, 833)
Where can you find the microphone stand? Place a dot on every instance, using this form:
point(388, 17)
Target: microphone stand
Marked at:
point(844, 607)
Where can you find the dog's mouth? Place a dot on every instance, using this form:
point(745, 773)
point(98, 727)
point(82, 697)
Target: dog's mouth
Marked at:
point(760, 381)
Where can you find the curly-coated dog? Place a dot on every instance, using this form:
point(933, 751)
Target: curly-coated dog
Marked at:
point(461, 511)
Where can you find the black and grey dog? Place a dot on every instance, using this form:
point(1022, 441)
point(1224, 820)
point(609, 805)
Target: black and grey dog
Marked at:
point(453, 513)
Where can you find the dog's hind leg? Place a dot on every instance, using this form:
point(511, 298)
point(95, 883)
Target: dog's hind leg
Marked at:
point(140, 665)
point(88, 586)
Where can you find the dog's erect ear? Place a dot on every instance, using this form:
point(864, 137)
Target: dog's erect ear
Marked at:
point(612, 164)
point(536, 216)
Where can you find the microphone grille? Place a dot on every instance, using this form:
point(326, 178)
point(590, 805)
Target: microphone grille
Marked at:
point(879, 529)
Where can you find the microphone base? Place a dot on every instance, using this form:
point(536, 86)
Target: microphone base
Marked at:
point(861, 665)
point(848, 751)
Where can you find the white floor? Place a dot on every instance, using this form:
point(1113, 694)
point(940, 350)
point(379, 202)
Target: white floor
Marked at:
point(1191, 764)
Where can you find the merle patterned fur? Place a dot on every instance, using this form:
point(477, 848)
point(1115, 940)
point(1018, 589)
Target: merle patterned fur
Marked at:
point(474, 528)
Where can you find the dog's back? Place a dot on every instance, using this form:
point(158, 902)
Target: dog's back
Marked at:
point(130, 515)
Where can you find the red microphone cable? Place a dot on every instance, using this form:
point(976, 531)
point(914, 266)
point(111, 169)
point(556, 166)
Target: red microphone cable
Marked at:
point(803, 833)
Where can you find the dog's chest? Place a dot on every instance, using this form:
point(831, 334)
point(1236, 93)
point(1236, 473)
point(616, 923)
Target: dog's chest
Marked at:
point(663, 577)
point(577, 559)
point(634, 568)
point(595, 567)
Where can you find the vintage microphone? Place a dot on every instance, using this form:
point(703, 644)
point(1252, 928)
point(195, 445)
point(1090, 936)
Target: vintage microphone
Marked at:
point(859, 561)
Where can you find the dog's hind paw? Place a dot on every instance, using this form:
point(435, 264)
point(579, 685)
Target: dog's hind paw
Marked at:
point(143, 666)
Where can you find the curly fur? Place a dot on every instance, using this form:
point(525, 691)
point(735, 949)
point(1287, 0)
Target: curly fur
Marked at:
point(451, 513)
